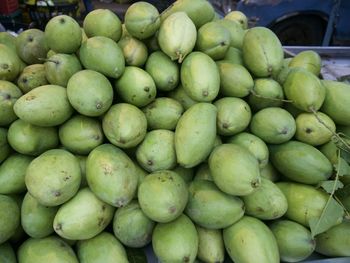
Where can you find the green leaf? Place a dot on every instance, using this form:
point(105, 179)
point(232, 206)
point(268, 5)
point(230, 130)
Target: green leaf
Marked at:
point(328, 185)
point(136, 255)
point(331, 215)
point(342, 167)
point(345, 155)
point(343, 192)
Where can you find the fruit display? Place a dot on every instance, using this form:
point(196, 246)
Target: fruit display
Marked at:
point(181, 131)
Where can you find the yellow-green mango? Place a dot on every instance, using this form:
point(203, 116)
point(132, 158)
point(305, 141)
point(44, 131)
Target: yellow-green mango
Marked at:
point(7, 253)
point(31, 139)
point(233, 115)
point(195, 126)
point(254, 145)
point(300, 162)
point(176, 241)
point(132, 227)
point(53, 177)
point(49, 249)
point(234, 169)
point(239, 17)
point(7, 39)
point(273, 125)
point(249, 240)
point(336, 101)
point(31, 77)
point(295, 242)
point(213, 39)
point(46, 105)
point(186, 174)
point(5, 148)
point(9, 94)
point(37, 219)
point(262, 52)
point(12, 173)
point(163, 196)
point(9, 217)
point(267, 202)
point(234, 56)
point(269, 172)
point(10, 63)
point(101, 248)
point(82, 217)
point(200, 77)
point(210, 245)
point(211, 208)
point(282, 74)
point(203, 172)
point(181, 96)
point(135, 51)
point(177, 36)
point(304, 202)
point(236, 32)
point(309, 60)
point(111, 175)
point(335, 241)
point(305, 90)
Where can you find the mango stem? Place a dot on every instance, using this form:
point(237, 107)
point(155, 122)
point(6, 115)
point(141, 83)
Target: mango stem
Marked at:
point(268, 98)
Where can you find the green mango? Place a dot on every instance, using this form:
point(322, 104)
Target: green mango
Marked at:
point(213, 39)
point(124, 125)
point(309, 60)
point(304, 202)
point(335, 241)
point(176, 241)
point(337, 97)
point(136, 87)
point(31, 46)
point(211, 208)
point(30, 139)
point(102, 22)
point(266, 93)
point(254, 145)
point(250, 239)
point(236, 32)
point(185, 173)
point(233, 115)
point(9, 217)
point(132, 227)
point(12, 173)
point(210, 245)
point(262, 52)
point(313, 131)
point(163, 196)
point(235, 80)
point(134, 50)
point(305, 90)
point(300, 162)
point(203, 172)
point(46, 105)
point(269, 172)
point(294, 241)
point(163, 113)
point(81, 134)
point(282, 74)
point(9, 94)
point(177, 36)
point(101, 249)
point(31, 77)
point(157, 151)
point(142, 20)
point(267, 202)
point(119, 187)
point(53, 177)
point(234, 56)
point(82, 163)
point(5, 148)
point(90, 93)
point(234, 169)
point(181, 96)
point(10, 63)
point(37, 219)
point(7, 253)
point(163, 70)
point(9, 40)
point(103, 55)
point(49, 249)
point(82, 217)
point(239, 17)
point(292, 109)
point(196, 125)
point(152, 43)
point(200, 11)
point(200, 77)
point(273, 125)
point(63, 34)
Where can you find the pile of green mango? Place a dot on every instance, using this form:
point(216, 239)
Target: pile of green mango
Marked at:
point(182, 131)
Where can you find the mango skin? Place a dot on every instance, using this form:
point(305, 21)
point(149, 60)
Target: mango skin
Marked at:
point(262, 52)
point(11, 63)
point(49, 249)
point(135, 51)
point(300, 162)
point(100, 249)
point(309, 60)
point(4, 146)
point(82, 217)
point(9, 94)
point(7, 253)
point(176, 241)
point(31, 77)
point(250, 239)
point(211, 208)
point(46, 106)
point(210, 245)
point(9, 217)
point(236, 32)
point(196, 125)
point(182, 97)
